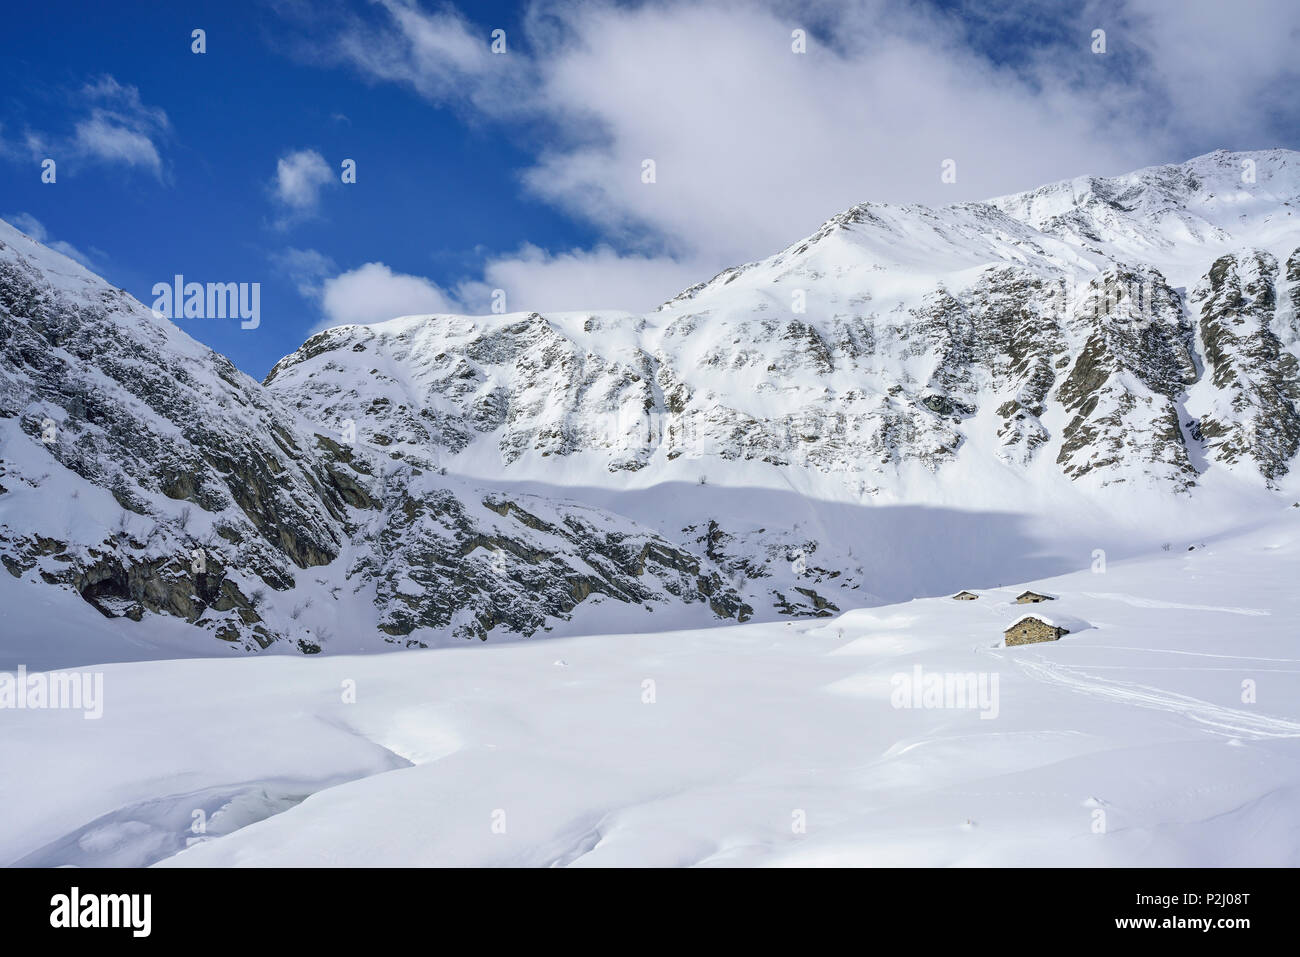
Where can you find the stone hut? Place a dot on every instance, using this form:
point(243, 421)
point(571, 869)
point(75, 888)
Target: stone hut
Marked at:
point(1028, 629)
point(1032, 598)
point(965, 596)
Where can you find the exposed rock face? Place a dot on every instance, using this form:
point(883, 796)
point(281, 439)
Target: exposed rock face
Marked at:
point(195, 456)
point(1123, 389)
point(200, 494)
point(444, 563)
point(1256, 412)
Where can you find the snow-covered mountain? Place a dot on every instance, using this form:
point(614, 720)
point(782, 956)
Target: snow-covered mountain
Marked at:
point(1072, 323)
point(909, 401)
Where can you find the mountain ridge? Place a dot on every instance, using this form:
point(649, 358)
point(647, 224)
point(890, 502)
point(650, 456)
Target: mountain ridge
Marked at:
point(1078, 300)
point(792, 437)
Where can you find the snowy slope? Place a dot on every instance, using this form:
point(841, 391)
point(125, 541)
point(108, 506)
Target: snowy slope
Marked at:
point(1134, 740)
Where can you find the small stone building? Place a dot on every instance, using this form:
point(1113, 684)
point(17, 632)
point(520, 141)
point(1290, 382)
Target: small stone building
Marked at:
point(965, 596)
point(1032, 598)
point(1028, 629)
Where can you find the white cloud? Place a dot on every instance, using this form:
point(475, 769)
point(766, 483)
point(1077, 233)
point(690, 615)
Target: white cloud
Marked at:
point(121, 128)
point(373, 293)
point(532, 279)
point(28, 224)
point(438, 53)
point(299, 178)
point(755, 145)
point(536, 281)
point(110, 125)
point(1228, 77)
point(305, 268)
point(100, 137)
point(34, 228)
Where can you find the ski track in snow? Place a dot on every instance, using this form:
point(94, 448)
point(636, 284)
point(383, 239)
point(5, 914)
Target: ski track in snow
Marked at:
point(1201, 654)
point(1232, 722)
point(1173, 605)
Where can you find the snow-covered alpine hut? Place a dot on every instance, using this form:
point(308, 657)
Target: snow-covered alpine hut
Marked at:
point(1028, 629)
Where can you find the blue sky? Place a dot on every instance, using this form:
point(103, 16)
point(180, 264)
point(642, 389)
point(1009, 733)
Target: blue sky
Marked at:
point(521, 171)
point(430, 189)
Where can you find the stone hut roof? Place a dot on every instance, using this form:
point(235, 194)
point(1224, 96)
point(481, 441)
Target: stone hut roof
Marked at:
point(1043, 618)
